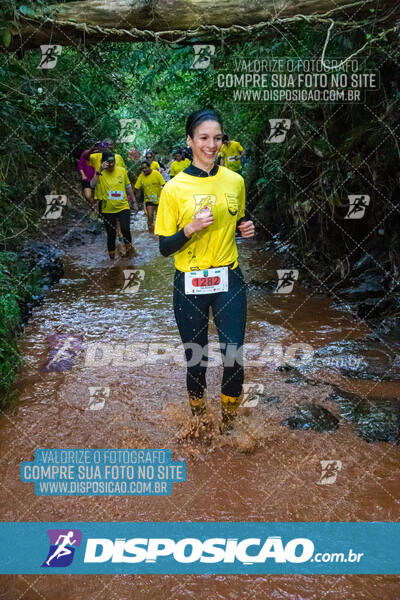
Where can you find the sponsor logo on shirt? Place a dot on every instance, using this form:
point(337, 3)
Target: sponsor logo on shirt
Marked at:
point(232, 203)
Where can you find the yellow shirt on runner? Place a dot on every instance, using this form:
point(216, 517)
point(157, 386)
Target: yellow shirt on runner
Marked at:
point(151, 185)
point(155, 165)
point(179, 165)
point(228, 152)
point(95, 160)
point(183, 197)
point(111, 190)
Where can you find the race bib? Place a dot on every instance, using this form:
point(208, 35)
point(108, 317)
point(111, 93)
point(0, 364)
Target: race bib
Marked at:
point(208, 281)
point(115, 195)
point(231, 158)
point(152, 198)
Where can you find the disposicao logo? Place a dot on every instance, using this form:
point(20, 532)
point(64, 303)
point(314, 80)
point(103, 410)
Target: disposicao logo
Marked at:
point(190, 550)
point(62, 547)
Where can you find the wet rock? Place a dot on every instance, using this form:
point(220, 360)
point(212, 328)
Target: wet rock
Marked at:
point(376, 419)
point(286, 367)
point(73, 237)
point(46, 258)
point(371, 358)
point(313, 416)
point(295, 379)
point(270, 399)
point(369, 286)
point(365, 262)
point(95, 227)
point(269, 284)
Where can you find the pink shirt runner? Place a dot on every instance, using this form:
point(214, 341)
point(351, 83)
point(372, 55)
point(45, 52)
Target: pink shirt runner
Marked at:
point(84, 165)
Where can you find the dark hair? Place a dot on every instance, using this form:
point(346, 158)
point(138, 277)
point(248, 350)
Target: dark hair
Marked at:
point(107, 156)
point(225, 138)
point(199, 116)
point(149, 152)
point(145, 162)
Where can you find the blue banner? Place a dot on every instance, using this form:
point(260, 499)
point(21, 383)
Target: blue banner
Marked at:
point(196, 548)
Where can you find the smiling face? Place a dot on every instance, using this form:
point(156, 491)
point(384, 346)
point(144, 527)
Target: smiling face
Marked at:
point(206, 142)
point(146, 169)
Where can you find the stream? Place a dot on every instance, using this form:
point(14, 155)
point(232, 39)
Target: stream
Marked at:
point(267, 470)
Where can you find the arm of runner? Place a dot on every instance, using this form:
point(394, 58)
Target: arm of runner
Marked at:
point(95, 179)
point(172, 243)
point(132, 203)
point(203, 219)
point(246, 228)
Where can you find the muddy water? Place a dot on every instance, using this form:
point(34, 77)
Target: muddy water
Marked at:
point(264, 472)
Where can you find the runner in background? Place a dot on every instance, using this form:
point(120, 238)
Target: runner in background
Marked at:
point(87, 171)
point(179, 164)
point(154, 165)
point(231, 153)
point(188, 153)
point(112, 188)
point(95, 160)
point(151, 182)
point(200, 211)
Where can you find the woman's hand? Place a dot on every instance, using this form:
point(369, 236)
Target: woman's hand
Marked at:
point(246, 229)
point(203, 219)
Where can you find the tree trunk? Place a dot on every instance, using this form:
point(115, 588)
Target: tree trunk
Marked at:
point(174, 20)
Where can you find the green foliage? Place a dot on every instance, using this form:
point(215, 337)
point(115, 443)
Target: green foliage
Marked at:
point(47, 117)
point(18, 283)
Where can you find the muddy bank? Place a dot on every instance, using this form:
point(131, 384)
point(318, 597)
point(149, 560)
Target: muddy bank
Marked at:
point(27, 273)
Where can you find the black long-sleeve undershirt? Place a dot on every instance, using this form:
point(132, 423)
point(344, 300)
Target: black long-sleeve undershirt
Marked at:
point(169, 244)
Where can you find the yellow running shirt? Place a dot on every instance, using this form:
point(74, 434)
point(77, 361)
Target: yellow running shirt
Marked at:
point(179, 165)
point(154, 165)
point(183, 197)
point(151, 185)
point(111, 190)
point(228, 152)
point(95, 160)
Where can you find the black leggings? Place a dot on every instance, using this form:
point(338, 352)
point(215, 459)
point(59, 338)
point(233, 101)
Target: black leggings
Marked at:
point(229, 312)
point(110, 222)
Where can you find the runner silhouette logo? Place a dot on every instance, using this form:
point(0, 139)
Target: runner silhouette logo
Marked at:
point(357, 205)
point(279, 129)
point(63, 350)
point(50, 54)
point(202, 55)
point(129, 129)
point(287, 278)
point(63, 543)
point(54, 206)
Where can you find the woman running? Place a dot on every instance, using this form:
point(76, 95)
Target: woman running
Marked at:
point(231, 153)
point(112, 188)
point(87, 171)
point(152, 182)
point(155, 166)
point(200, 210)
point(179, 163)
